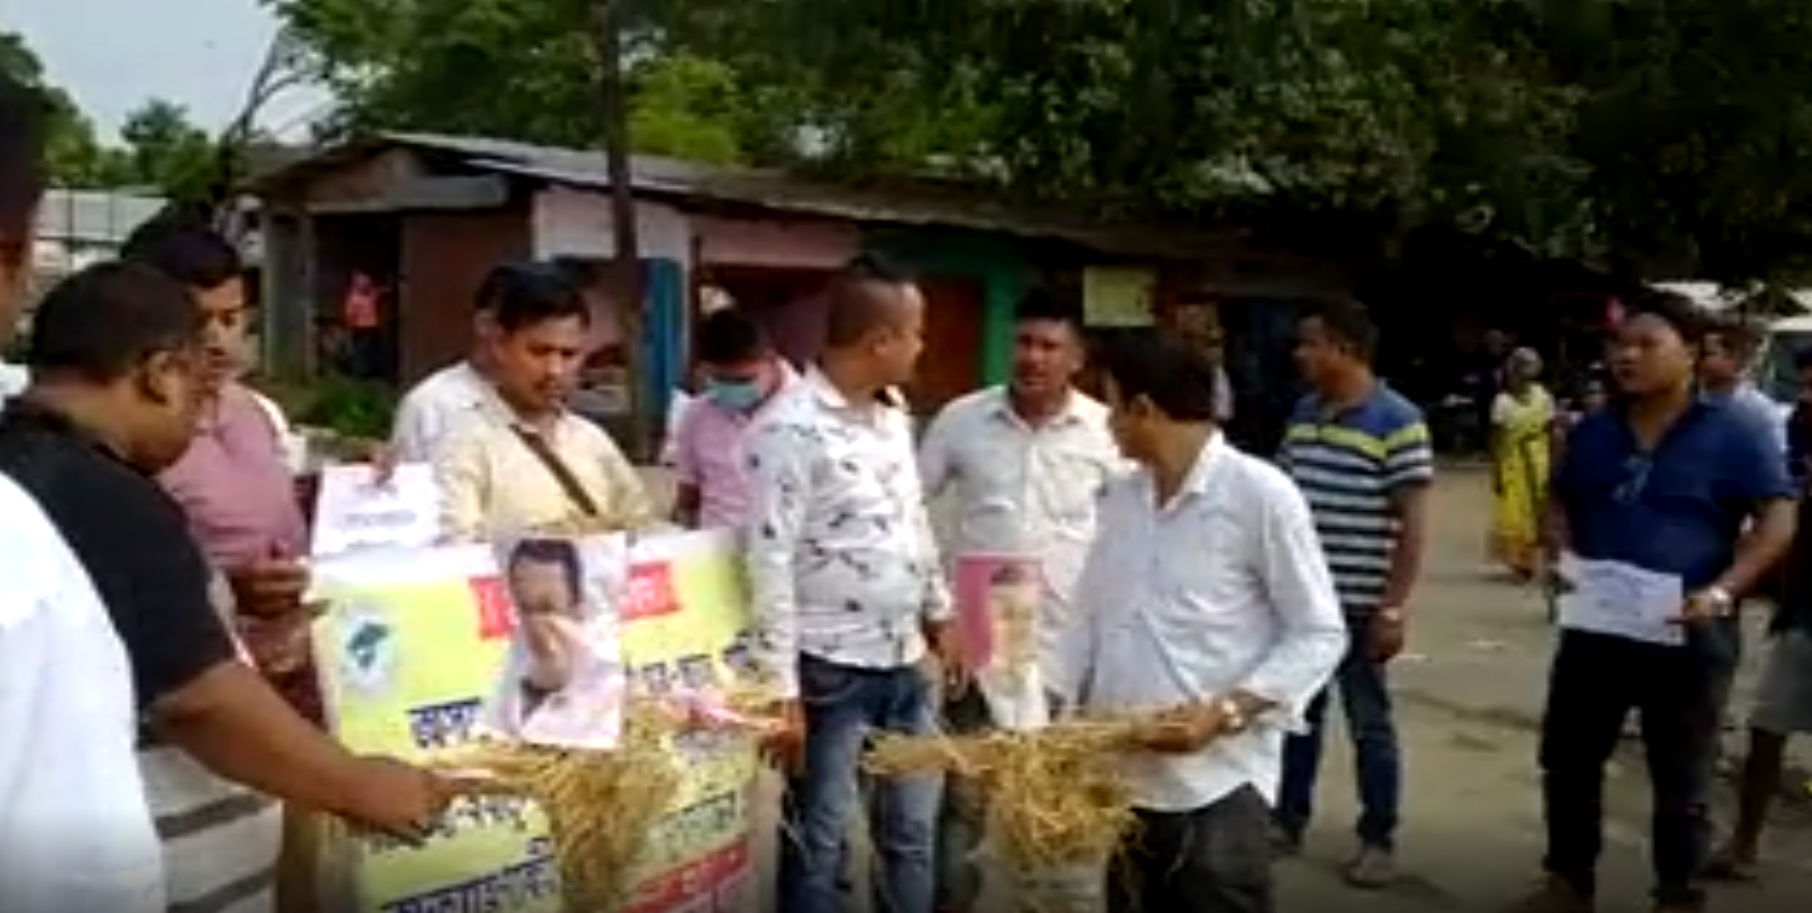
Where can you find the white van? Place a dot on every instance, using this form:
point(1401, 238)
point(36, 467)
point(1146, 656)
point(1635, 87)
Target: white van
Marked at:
point(1772, 371)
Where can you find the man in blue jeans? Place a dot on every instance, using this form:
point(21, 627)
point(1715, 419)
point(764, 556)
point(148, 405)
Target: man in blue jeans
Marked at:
point(1360, 454)
point(848, 595)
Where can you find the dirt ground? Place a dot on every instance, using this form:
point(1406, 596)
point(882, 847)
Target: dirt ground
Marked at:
point(1470, 689)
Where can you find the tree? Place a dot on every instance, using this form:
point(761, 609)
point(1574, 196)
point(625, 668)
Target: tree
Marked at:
point(166, 150)
point(1661, 133)
point(76, 156)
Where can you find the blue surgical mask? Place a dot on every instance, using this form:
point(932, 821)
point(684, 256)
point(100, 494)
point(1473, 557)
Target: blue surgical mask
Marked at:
point(736, 395)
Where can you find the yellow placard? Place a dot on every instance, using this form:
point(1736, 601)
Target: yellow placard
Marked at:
point(1118, 296)
point(411, 646)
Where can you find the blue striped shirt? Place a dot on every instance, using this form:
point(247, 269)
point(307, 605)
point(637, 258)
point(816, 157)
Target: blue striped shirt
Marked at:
point(1350, 464)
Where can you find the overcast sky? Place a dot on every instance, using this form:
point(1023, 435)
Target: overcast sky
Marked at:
point(113, 54)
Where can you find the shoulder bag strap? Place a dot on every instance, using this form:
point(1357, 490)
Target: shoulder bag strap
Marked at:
point(556, 467)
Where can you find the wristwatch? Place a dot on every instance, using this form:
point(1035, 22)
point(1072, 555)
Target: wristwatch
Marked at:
point(1720, 599)
point(1233, 719)
point(1390, 614)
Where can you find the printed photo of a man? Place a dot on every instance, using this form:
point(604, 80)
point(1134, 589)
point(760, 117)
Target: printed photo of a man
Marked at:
point(558, 686)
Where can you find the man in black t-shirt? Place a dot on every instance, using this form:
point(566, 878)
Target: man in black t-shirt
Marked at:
point(116, 358)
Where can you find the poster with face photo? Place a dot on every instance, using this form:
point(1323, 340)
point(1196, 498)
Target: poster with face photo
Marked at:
point(562, 681)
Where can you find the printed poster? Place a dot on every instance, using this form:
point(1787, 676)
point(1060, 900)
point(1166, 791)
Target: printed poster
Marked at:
point(1118, 296)
point(562, 682)
point(999, 596)
point(409, 653)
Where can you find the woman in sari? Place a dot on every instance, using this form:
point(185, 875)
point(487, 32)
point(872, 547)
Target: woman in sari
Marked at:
point(1522, 421)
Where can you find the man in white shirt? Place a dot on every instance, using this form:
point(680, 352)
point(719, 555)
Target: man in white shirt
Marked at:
point(1026, 463)
point(1205, 602)
point(848, 593)
point(1730, 348)
point(436, 406)
point(75, 832)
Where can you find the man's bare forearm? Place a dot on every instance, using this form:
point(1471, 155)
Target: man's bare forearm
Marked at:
point(1412, 543)
point(1761, 548)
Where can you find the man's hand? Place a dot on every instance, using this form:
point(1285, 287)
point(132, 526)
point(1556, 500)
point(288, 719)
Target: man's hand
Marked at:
point(398, 799)
point(1705, 605)
point(382, 458)
point(1183, 730)
point(550, 659)
point(271, 587)
point(1384, 634)
point(784, 746)
point(946, 645)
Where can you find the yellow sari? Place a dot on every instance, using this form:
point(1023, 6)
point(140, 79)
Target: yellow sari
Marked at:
point(1521, 438)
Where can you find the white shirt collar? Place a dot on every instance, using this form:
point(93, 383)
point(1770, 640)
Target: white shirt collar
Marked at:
point(1202, 473)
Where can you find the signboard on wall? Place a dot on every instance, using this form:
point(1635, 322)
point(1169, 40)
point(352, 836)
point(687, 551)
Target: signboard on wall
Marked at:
point(1118, 296)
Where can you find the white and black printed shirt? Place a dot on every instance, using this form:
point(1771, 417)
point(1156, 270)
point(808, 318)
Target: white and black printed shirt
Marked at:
point(841, 562)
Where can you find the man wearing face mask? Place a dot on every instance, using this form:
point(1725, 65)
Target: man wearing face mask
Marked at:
point(742, 376)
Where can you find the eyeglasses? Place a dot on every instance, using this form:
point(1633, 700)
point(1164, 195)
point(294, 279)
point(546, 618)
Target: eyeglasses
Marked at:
point(1636, 471)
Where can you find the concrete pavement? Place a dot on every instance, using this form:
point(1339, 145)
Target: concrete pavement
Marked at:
point(1470, 688)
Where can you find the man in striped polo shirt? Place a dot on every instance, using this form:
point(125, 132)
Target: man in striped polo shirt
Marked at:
point(1360, 454)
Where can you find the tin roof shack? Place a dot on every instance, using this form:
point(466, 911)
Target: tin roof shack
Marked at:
point(427, 215)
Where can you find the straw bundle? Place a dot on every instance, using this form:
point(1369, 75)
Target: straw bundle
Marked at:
point(1055, 802)
point(601, 807)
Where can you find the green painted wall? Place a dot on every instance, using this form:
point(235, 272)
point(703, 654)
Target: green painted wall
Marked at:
point(999, 264)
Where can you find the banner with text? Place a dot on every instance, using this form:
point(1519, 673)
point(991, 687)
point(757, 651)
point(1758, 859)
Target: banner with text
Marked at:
point(408, 652)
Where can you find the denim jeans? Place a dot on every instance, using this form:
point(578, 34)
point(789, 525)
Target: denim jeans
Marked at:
point(1679, 695)
point(1365, 697)
point(962, 822)
point(842, 706)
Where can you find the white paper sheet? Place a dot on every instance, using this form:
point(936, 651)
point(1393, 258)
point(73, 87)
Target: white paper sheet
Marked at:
point(1621, 600)
point(353, 511)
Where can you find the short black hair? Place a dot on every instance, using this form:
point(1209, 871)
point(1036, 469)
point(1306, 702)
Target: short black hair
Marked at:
point(582, 272)
point(1738, 334)
point(1346, 322)
point(186, 248)
point(1802, 359)
point(23, 174)
point(854, 301)
point(521, 295)
point(1177, 378)
point(104, 321)
point(1687, 319)
point(730, 336)
point(561, 552)
point(1048, 304)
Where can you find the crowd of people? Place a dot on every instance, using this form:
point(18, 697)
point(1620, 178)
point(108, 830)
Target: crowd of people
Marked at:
point(154, 545)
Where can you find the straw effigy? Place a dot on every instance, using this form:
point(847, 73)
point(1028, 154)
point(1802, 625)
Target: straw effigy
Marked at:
point(1057, 808)
point(601, 806)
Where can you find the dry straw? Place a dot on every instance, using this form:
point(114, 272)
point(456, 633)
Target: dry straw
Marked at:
point(1055, 800)
point(602, 807)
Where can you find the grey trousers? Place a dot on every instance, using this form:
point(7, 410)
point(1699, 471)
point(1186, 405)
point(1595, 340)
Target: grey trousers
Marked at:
point(1215, 859)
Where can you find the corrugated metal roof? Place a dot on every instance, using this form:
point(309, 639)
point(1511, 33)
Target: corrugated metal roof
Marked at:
point(912, 204)
point(94, 217)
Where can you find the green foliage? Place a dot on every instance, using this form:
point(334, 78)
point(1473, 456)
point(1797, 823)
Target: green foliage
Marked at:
point(1659, 132)
point(349, 408)
point(162, 149)
point(166, 150)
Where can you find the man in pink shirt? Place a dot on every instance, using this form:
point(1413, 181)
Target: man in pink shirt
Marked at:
point(234, 482)
point(742, 376)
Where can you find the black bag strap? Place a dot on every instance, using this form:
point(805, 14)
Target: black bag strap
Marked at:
point(556, 467)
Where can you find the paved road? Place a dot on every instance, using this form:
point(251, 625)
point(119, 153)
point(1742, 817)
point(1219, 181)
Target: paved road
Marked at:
point(1471, 688)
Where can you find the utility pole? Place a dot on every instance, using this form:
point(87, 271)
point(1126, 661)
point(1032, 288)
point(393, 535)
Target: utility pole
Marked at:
point(610, 20)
